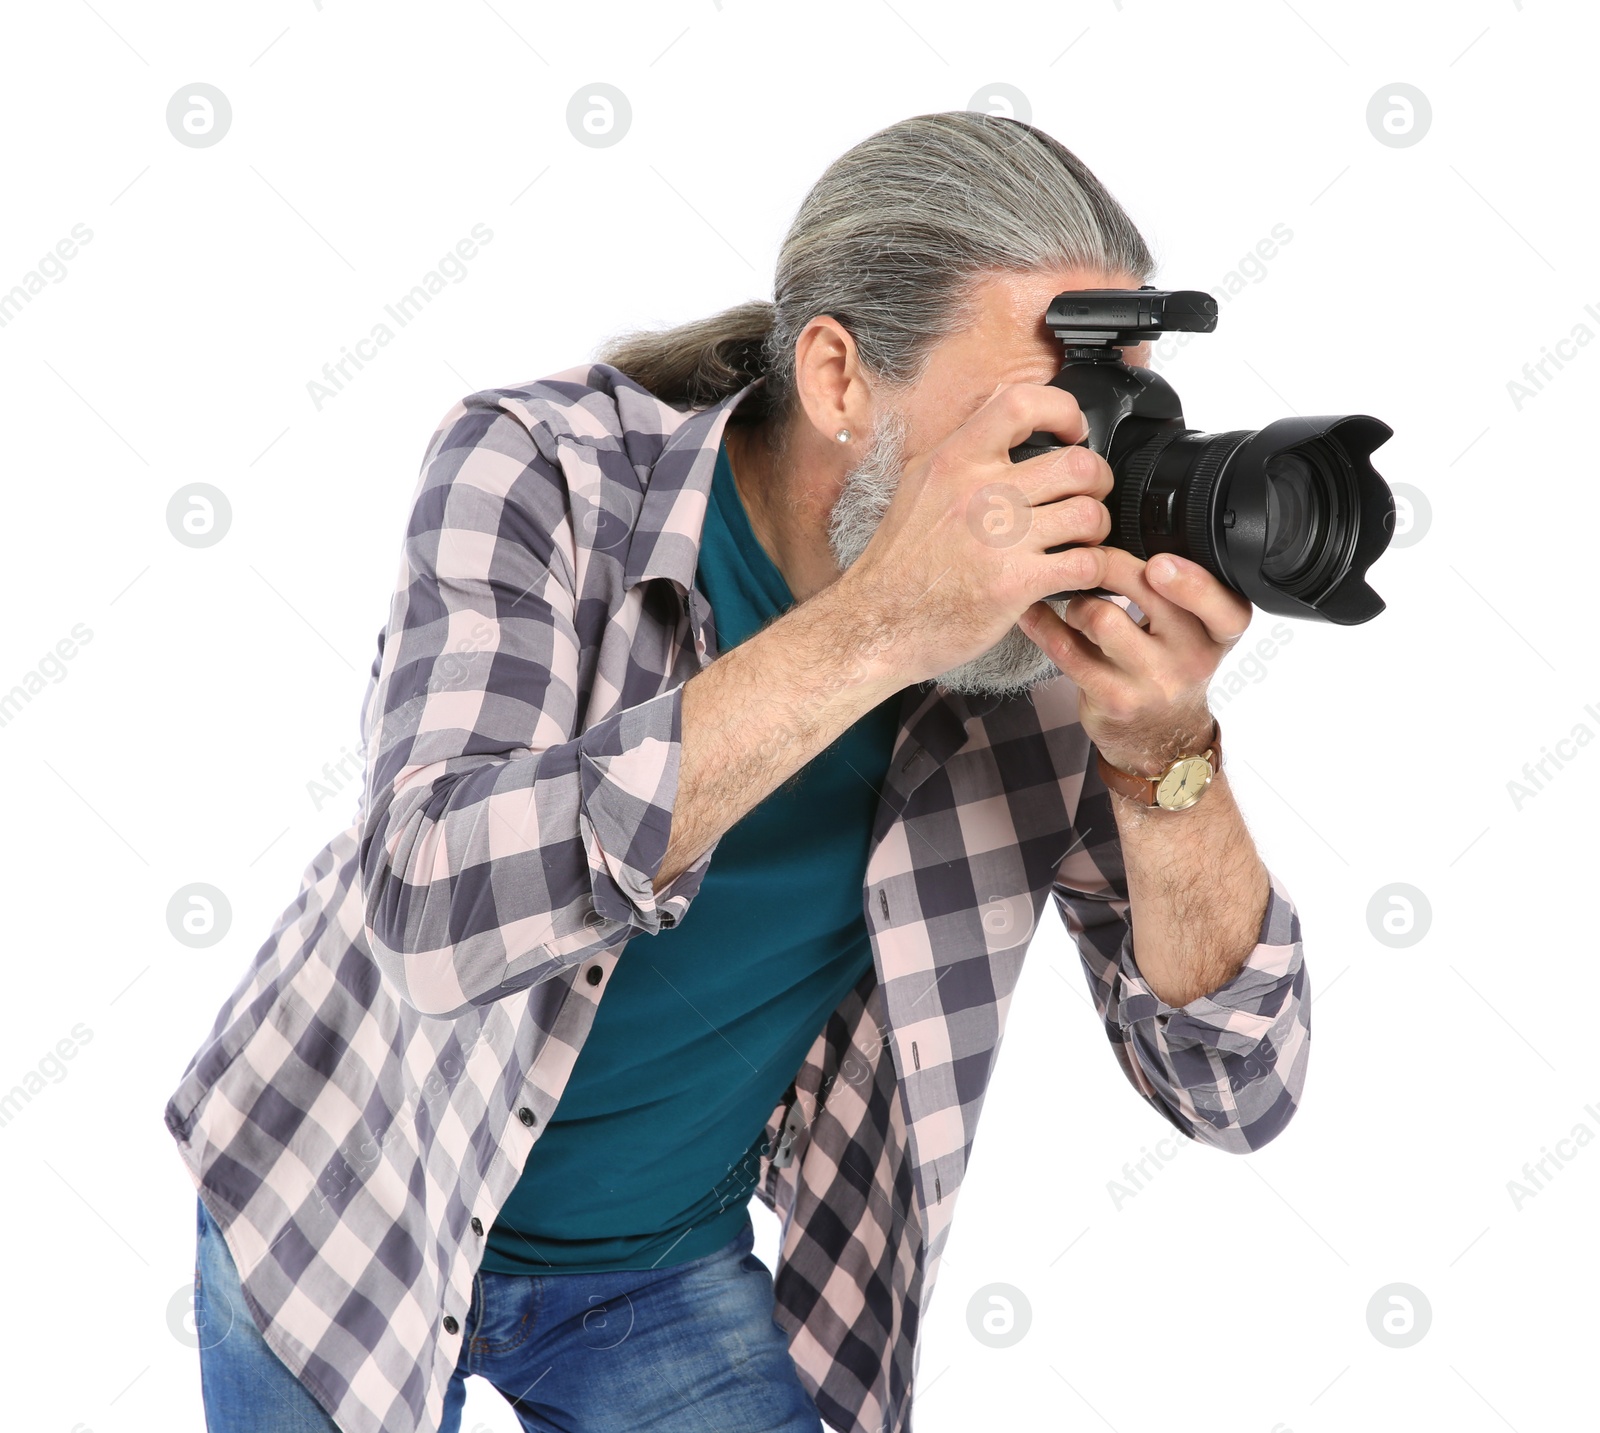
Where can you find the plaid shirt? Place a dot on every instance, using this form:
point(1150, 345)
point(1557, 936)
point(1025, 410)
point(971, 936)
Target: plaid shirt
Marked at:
point(365, 1100)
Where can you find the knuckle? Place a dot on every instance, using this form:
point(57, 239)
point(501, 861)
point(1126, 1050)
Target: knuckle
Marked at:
point(1100, 615)
point(1091, 516)
point(1063, 401)
point(1080, 462)
point(1013, 400)
point(1072, 416)
point(1080, 569)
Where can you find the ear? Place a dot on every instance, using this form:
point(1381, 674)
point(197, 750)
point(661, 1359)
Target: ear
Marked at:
point(829, 380)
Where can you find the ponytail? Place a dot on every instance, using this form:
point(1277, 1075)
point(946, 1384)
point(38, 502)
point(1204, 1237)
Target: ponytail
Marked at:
point(699, 363)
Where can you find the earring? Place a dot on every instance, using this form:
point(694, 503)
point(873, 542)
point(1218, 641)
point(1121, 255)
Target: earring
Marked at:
point(843, 435)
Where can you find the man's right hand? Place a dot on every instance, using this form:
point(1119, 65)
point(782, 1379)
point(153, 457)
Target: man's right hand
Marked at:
point(957, 558)
point(960, 553)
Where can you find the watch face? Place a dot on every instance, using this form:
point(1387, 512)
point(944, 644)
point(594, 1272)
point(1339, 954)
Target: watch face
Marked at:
point(1182, 785)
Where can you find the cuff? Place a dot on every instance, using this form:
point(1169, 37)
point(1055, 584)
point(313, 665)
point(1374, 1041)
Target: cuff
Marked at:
point(628, 783)
point(1236, 1016)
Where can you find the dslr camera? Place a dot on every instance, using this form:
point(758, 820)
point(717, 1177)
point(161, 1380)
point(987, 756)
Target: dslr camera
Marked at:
point(1291, 516)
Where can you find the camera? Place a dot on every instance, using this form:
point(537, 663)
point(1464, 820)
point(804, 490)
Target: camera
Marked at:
point(1291, 516)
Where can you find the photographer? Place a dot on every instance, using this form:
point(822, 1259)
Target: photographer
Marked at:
point(723, 749)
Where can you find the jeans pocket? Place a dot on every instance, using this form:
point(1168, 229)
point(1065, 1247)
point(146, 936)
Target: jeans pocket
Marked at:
point(503, 1313)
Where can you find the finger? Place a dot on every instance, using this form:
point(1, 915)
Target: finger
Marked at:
point(1123, 573)
point(1115, 634)
point(1119, 571)
point(1011, 413)
point(1074, 653)
point(1077, 519)
point(1054, 499)
point(1224, 613)
point(1061, 473)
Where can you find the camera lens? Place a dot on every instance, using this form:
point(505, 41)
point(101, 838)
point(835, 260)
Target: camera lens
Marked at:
point(1290, 515)
point(1299, 510)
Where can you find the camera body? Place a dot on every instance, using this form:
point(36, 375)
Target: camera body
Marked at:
point(1291, 516)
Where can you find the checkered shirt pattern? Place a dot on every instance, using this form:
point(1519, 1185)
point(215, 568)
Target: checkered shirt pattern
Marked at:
point(366, 1097)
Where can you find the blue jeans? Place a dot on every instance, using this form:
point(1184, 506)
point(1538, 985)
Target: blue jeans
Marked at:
point(691, 1346)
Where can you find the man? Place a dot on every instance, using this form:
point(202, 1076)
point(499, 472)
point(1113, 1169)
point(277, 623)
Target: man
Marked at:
point(723, 745)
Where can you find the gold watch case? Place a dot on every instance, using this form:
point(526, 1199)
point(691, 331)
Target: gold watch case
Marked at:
point(1183, 783)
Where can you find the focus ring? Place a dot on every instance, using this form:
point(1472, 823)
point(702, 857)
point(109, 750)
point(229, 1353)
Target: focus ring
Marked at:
point(1198, 491)
point(1132, 487)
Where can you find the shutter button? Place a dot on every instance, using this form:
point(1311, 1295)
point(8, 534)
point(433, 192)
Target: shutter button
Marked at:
point(450, 1324)
point(593, 975)
point(525, 1115)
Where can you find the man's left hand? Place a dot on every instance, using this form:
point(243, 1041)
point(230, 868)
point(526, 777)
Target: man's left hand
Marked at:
point(1142, 687)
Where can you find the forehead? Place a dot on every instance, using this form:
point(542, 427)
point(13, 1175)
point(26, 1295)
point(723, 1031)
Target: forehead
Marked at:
point(1015, 303)
point(1006, 316)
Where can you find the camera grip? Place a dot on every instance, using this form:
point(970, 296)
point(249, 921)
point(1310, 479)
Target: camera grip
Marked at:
point(1077, 592)
point(1033, 445)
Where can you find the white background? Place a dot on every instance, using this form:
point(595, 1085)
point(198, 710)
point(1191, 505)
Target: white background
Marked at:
point(1230, 1293)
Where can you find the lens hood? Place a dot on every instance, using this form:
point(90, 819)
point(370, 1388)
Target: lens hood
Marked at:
point(1357, 517)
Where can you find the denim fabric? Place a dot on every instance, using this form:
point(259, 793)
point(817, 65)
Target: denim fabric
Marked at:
point(691, 1348)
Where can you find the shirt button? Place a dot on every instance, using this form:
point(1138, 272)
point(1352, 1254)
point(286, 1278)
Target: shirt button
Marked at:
point(450, 1324)
point(525, 1115)
point(477, 1225)
point(594, 975)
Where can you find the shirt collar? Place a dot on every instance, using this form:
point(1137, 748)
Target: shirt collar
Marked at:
point(666, 543)
point(666, 540)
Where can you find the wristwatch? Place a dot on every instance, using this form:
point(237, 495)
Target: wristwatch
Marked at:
point(1181, 783)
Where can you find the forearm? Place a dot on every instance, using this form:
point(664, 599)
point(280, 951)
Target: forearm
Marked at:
point(762, 710)
point(1197, 891)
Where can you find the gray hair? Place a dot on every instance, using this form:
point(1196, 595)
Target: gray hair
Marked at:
point(891, 241)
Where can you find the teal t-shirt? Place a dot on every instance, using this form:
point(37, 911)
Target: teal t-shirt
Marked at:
point(651, 1157)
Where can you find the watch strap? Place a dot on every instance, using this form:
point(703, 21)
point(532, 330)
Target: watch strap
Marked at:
point(1142, 789)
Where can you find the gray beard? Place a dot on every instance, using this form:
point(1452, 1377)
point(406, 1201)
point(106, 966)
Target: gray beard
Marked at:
point(1014, 663)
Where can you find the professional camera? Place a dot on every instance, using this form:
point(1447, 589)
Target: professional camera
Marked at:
point(1291, 515)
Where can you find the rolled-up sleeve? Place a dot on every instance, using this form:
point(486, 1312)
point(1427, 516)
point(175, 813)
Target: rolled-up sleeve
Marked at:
point(499, 844)
point(1228, 1068)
